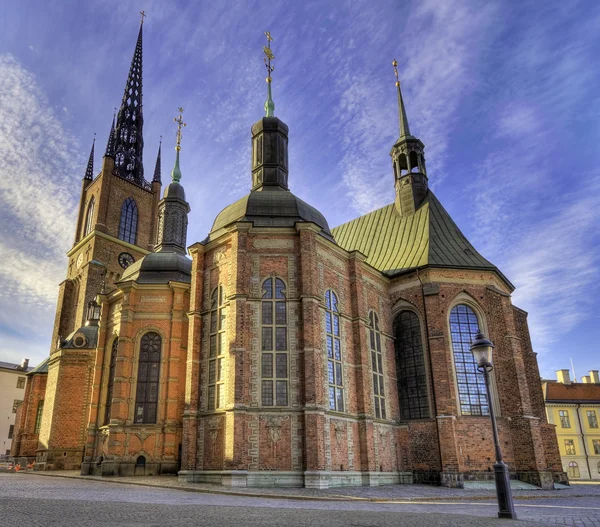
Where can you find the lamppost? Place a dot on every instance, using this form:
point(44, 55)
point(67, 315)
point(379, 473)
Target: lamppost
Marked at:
point(482, 351)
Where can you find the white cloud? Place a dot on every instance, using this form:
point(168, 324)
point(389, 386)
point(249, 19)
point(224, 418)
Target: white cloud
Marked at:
point(39, 189)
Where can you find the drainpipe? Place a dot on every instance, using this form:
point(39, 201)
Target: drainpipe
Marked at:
point(587, 458)
point(437, 425)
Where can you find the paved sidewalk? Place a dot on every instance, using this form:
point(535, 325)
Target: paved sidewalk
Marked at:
point(377, 494)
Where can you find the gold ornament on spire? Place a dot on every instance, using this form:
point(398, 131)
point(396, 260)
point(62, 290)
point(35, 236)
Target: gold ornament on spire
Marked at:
point(180, 124)
point(269, 56)
point(395, 64)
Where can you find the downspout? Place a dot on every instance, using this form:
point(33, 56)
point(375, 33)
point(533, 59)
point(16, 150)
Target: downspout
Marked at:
point(587, 459)
point(437, 424)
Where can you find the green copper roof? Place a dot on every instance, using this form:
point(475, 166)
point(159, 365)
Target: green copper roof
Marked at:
point(42, 367)
point(393, 243)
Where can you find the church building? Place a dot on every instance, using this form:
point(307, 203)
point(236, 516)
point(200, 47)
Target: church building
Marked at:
point(278, 351)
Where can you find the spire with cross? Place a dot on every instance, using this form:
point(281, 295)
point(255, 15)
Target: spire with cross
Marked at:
point(403, 120)
point(176, 172)
point(89, 171)
point(269, 104)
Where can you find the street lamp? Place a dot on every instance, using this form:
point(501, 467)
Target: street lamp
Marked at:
point(482, 351)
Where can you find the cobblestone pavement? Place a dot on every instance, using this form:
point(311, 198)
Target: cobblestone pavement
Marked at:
point(39, 500)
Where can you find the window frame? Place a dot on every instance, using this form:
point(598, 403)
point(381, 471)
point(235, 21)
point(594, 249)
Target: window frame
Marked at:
point(377, 359)
point(89, 217)
point(397, 313)
point(216, 396)
point(39, 413)
point(564, 418)
point(136, 400)
point(112, 366)
point(570, 449)
point(334, 365)
point(274, 380)
point(596, 446)
point(16, 403)
point(592, 418)
point(21, 381)
point(573, 470)
point(128, 221)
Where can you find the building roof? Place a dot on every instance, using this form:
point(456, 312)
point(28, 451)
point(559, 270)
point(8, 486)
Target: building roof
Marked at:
point(159, 268)
point(270, 207)
point(394, 243)
point(42, 367)
point(556, 392)
point(13, 367)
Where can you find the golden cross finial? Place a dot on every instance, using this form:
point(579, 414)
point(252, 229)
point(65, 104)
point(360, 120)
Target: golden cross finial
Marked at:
point(180, 123)
point(143, 13)
point(395, 64)
point(269, 55)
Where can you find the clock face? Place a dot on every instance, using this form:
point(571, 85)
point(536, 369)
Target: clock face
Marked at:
point(125, 260)
point(79, 260)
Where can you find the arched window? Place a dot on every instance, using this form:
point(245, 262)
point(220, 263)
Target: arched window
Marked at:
point(216, 356)
point(410, 367)
point(146, 400)
point(111, 380)
point(274, 360)
point(573, 470)
point(377, 365)
point(414, 162)
point(89, 219)
point(128, 224)
point(471, 384)
point(334, 352)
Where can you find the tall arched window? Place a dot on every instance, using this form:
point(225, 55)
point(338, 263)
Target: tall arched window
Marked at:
point(111, 380)
point(334, 352)
point(216, 356)
point(128, 224)
point(89, 219)
point(377, 365)
point(471, 384)
point(146, 400)
point(274, 338)
point(410, 367)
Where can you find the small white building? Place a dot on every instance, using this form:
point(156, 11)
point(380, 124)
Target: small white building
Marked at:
point(12, 390)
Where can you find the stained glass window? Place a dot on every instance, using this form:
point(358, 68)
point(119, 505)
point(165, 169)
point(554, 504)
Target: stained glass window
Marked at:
point(89, 219)
point(217, 348)
point(274, 344)
point(377, 365)
point(128, 224)
point(111, 380)
point(334, 352)
point(146, 401)
point(410, 367)
point(471, 384)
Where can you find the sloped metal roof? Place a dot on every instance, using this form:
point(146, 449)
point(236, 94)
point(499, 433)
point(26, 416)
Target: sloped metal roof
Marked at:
point(393, 243)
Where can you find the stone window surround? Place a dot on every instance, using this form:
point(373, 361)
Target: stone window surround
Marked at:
point(219, 311)
point(468, 300)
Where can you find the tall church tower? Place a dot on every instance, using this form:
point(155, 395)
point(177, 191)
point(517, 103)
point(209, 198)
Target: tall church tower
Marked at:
point(116, 226)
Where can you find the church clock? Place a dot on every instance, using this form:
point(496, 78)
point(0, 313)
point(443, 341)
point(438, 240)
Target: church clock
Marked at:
point(125, 260)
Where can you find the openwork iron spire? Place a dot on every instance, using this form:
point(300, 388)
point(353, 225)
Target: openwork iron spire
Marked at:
point(89, 171)
point(110, 145)
point(404, 130)
point(157, 171)
point(176, 172)
point(269, 104)
point(129, 143)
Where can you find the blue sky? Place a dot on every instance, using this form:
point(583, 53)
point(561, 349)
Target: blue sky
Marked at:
point(505, 95)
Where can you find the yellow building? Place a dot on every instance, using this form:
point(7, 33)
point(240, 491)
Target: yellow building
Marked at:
point(575, 410)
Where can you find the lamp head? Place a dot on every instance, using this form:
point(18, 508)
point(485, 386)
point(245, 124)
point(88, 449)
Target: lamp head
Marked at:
point(481, 348)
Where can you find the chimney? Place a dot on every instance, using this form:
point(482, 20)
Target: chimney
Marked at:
point(594, 379)
point(25, 365)
point(563, 376)
point(585, 379)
